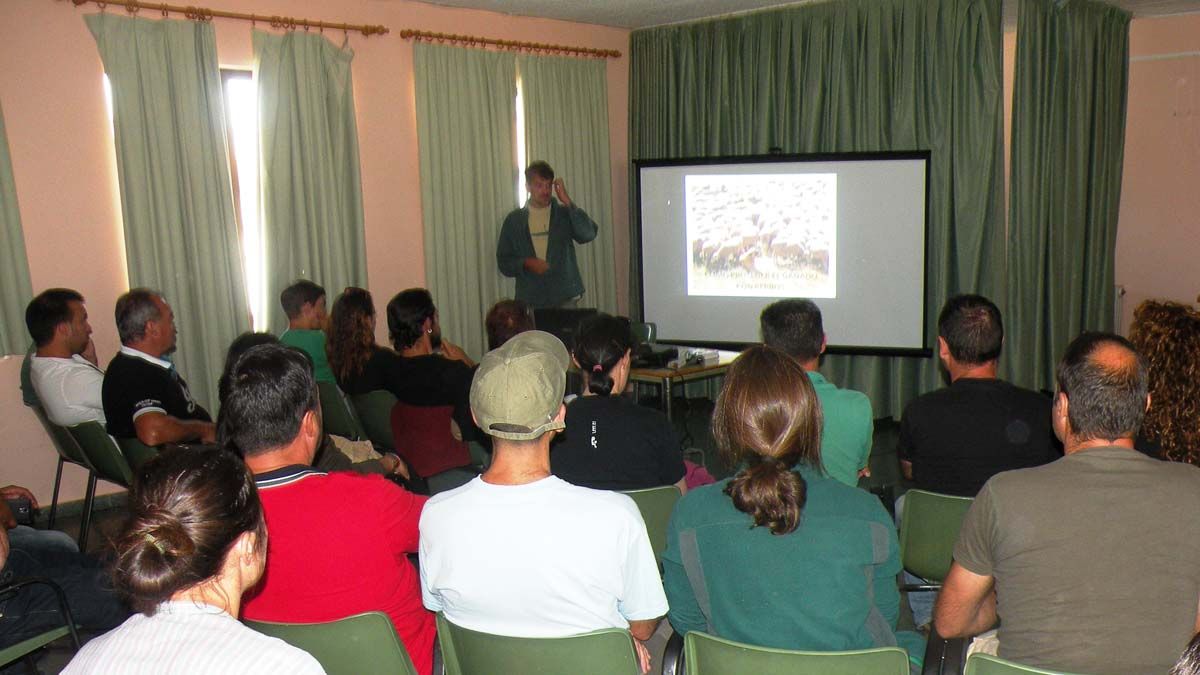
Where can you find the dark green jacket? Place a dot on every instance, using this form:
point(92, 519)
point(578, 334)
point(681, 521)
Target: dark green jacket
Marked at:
point(562, 281)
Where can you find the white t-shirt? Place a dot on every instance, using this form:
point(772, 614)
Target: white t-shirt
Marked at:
point(545, 559)
point(186, 638)
point(69, 389)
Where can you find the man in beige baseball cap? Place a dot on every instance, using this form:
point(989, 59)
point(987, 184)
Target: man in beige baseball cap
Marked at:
point(523, 553)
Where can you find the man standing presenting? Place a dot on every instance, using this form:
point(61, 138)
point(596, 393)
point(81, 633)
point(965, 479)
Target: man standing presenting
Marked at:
point(537, 242)
point(1089, 561)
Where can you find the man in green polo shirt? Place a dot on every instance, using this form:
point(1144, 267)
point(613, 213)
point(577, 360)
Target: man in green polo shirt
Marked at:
point(304, 304)
point(795, 327)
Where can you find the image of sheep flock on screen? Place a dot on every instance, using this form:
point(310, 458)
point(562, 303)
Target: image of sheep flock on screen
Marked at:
point(771, 235)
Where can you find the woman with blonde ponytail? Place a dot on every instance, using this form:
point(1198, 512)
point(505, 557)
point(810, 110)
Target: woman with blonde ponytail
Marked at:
point(781, 555)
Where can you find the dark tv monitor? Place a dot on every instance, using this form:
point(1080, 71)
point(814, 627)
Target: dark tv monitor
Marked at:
point(562, 323)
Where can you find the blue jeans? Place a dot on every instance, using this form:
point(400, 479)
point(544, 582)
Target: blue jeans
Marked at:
point(34, 609)
point(921, 602)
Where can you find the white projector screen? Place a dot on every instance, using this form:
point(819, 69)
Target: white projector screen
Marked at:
point(723, 238)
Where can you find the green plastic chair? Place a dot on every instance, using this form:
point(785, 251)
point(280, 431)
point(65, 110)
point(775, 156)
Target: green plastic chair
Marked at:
point(337, 415)
point(136, 452)
point(985, 664)
point(602, 652)
point(25, 648)
point(68, 451)
point(374, 409)
point(656, 505)
point(363, 644)
point(708, 655)
point(928, 531)
point(107, 462)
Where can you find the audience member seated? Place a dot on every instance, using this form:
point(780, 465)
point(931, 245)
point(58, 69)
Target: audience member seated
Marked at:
point(304, 304)
point(507, 319)
point(610, 442)
point(194, 542)
point(26, 552)
point(795, 327)
point(64, 370)
point(329, 456)
point(1082, 560)
point(954, 439)
point(1168, 335)
point(1189, 662)
point(520, 552)
point(144, 396)
point(338, 542)
point(781, 555)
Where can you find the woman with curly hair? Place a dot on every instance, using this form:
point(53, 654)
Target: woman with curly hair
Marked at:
point(1168, 335)
point(782, 555)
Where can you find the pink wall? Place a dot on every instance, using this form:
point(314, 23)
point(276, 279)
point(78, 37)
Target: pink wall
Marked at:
point(1158, 235)
point(52, 96)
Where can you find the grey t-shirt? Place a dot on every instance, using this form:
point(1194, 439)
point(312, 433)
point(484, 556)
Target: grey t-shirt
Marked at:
point(1096, 559)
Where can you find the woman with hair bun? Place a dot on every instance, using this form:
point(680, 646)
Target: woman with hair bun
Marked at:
point(194, 542)
point(781, 555)
point(610, 442)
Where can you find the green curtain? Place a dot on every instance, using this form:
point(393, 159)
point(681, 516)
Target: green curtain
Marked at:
point(566, 124)
point(1068, 144)
point(311, 183)
point(173, 171)
point(15, 287)
point(465, 124)
point(856, 75)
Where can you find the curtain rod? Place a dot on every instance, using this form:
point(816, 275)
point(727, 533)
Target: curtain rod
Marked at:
point(206, 14)
point(512, 45)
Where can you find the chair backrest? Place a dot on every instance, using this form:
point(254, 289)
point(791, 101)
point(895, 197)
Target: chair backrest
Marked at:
point(374, 410)
point(706, 655)
point(656, 505)
point(102, 452)
point(928, 530)
point(136, 452)
point(337, 415)
point(985, 664)
point(468, 652)
point(363, 644)
point(64, 443)
point(28, 646)
point(424, 440)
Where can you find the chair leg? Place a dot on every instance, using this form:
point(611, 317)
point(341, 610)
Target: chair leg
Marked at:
point(85, 521)
point(54, 500)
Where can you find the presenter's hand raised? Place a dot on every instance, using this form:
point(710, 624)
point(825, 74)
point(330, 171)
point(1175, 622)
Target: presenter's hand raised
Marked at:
point(560, 191)
point(537, 266)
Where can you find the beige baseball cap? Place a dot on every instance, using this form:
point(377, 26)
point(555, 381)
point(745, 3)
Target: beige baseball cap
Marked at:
point(518, 387)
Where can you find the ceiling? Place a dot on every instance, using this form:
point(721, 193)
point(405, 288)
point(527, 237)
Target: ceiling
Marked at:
point(644, 13)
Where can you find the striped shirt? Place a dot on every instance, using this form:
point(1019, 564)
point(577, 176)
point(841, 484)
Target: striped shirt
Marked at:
point(187, 638)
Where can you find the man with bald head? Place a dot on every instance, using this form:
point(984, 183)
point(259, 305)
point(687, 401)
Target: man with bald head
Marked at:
point(1089, 561)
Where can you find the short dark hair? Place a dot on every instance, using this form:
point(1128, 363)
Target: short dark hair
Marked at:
point(507, 319)
point(240, 345)
point(793, 326)
point(539, 168)
point(186, 511)
point(45, 312)
point(600, 343)
point(134, 310)
point(972, 328)
point(1107, 399)
point(270, 389)
point(405, 314)
point(302, 292)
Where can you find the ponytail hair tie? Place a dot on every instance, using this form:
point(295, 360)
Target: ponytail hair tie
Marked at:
point(596, 368)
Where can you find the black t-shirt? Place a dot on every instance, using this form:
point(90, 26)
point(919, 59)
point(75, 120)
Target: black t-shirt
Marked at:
point(610, 443)
point(959, 437)
point(428, 381)
point(133, 386)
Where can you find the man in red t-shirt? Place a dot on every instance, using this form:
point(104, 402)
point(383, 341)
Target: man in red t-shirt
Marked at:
point(337, 544)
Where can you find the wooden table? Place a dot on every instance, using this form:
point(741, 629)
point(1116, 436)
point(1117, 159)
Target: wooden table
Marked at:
point(665, 378)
